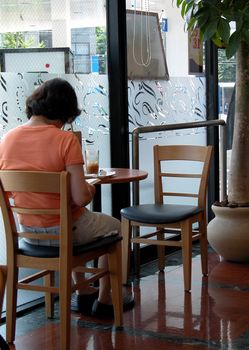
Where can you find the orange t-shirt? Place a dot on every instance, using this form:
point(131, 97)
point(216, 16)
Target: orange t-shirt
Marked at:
point(39, 148)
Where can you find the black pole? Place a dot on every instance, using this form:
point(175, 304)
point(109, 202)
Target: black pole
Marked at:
point(211, 71)
point(118, 98)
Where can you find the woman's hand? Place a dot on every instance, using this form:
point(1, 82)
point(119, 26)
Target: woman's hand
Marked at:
point(81, 191)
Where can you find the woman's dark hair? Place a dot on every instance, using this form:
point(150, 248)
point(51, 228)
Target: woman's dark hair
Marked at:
point(55, 99)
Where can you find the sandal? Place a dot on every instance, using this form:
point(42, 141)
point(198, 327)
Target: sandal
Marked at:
point(106, 311)
point(83, 302)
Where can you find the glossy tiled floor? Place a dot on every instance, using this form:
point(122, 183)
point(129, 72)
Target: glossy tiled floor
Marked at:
point(215, 315)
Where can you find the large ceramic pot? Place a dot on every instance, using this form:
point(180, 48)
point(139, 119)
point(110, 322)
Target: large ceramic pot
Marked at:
point(228, 233)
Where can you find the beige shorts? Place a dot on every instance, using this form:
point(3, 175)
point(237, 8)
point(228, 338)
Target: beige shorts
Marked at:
point(90, 226)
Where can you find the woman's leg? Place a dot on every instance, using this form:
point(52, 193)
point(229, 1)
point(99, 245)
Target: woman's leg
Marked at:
point(97, 225)
point(91, 226)
point(104, 283)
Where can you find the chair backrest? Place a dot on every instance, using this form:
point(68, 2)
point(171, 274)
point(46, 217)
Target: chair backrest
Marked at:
point(79, 136)
point(38, 182)
point(178, 162)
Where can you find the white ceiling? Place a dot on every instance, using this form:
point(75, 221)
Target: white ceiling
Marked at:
point(31, 14)
point(152, 5)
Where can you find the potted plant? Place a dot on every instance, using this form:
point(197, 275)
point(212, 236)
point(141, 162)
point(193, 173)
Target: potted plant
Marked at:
point(226, 23)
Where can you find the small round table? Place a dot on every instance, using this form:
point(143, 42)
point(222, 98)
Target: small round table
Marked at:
point(122, 175)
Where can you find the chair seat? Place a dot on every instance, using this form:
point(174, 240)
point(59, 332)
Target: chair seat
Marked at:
point(159, 213)
point(40, 251)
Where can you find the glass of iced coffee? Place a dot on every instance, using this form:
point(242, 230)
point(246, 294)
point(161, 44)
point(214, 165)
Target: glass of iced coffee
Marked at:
point(92, 161)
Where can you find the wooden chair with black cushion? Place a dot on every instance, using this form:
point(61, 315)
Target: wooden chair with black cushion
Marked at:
point(3, 276)
point(165, 216)
point(47, 260)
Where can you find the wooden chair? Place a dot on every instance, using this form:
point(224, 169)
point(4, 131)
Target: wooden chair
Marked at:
point(3, 276)
point(79, 136)
point(168, 218)
point(47, 260)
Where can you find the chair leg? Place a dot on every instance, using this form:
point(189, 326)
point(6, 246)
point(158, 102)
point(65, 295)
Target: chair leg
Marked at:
point(11, 301)
point(186, 229)
point(203, 246)
point(161, 252)
point(3, 276)
point(115, 270)
point(65, 311)
point(49, 297)
point(126, 248)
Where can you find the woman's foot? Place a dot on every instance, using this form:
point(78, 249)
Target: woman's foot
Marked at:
point(102, 310)
point(83, 302)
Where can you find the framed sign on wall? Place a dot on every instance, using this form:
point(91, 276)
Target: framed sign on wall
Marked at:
point(145, 52)
point(195, 52)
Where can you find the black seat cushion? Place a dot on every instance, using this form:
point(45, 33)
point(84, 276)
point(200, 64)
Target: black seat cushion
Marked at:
point(159, 213)
point(40, 251)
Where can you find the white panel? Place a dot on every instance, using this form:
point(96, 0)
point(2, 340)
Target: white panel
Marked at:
point(51, 62)
point(178, 100)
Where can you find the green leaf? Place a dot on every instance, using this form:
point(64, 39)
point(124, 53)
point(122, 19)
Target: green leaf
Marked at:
point(245, 36)
point(239, 24)
point(178, 3)
point(183, 9)
point(202, 11)
point(224, 30)
point(218, 41)
point(233, 44)
point(191, 24)
point(246, 16)
point(210, 30)
point(202, 21)
point(189, 6)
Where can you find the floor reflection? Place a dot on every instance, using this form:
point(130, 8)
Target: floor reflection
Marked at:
point(213, 316)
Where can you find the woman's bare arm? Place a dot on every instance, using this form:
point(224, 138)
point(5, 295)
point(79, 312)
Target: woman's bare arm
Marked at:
point(81, 191)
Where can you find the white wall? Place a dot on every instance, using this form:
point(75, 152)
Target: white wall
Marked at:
point(176, 42)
